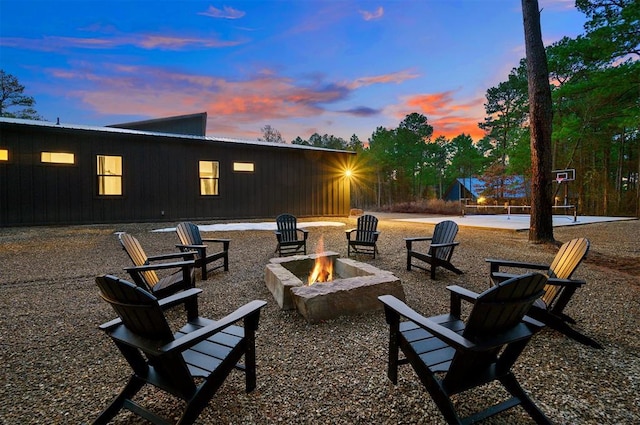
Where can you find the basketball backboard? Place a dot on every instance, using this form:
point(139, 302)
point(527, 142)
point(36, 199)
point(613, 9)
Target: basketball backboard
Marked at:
point(566, 175)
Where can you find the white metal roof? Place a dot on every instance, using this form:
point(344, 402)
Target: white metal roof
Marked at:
point(37, 123)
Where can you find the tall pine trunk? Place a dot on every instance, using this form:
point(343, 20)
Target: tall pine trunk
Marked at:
point(540, 119)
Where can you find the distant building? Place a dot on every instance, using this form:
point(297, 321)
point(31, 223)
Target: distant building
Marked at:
point(160, 170)
point(469, 189)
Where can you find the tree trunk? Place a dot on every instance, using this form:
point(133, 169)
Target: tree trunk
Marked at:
point(540, 120)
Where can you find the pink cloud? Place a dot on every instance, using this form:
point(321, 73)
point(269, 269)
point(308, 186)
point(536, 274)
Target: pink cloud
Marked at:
point(371, 16)
point(448, 116)
point(168, 42)
point(226, 12)
point(144, 41)
point(236, 107)
point(394, 77)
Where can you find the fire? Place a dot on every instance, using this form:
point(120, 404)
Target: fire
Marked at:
point(323, 268)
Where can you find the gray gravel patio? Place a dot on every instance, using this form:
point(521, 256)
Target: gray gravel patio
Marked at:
point(57, 367)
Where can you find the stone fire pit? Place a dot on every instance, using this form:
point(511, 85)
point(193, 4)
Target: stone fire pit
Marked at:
point(354, 289)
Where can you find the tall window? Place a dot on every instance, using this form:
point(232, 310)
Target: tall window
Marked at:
point(4, 154)
point(109, 175)
point(209, 176)
point(57, 158)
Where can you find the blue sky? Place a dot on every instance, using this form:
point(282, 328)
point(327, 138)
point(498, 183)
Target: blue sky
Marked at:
point(305, 66)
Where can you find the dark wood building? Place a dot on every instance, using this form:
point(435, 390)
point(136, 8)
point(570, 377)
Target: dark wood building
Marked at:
point(71, 174)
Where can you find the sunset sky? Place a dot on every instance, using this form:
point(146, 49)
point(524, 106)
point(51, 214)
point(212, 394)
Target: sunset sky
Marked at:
point(326, 66)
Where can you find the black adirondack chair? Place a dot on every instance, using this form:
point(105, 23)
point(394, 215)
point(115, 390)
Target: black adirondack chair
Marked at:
point(450, 355)
point(143, 273)
point(549, 309)
point(191, 363)
point(364, 238)
point(440, 249)
point(191, 240)
point(291, 239)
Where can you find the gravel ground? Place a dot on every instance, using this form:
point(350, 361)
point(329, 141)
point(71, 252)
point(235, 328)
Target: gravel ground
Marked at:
point(57, 367)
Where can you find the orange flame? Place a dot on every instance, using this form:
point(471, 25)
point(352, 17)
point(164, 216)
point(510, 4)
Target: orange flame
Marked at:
point(323, 268)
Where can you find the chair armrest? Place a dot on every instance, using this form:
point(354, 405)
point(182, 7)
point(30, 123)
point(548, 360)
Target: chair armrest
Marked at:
point(444, 245)
point(305, 233)
point(409, 241)
point(419, 239)
point(463, 293)
point(179, 245)
point(161, 266)
point(179, 298)
point(399, 308)
point(203, 333)
point(458, 294)
point(566, 282)
point(170, 256)
point(224, 242)
point(495, 264)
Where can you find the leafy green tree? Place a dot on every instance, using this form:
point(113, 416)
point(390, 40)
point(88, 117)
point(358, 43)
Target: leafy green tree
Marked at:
point(597, 108)
point(299, 141)
point(355, 144)
point(12, 96)
point(612, 26)
point(464, 158)
point(506, 109)
point(381, 155)
point(327, 141)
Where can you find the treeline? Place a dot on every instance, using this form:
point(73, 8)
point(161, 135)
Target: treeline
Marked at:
point(595, 81)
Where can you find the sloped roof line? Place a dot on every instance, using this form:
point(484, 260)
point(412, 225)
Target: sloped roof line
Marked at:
point(37, 123)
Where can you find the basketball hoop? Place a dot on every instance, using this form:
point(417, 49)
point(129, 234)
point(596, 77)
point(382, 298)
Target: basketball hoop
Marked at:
point(560, 179)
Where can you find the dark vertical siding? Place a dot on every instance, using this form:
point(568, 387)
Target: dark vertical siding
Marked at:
point(160, 179)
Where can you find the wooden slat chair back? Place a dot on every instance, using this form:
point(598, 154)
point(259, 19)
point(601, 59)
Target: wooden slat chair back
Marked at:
point(560, 287)
point(444, 233)
point(451, 355)
point(291, 239)
point(366, 236)
point(566, 261)
point(190, 364)
point(144, 273)
point(495, 311)
point(139, 258)
point(441, 247)
point(192, 240)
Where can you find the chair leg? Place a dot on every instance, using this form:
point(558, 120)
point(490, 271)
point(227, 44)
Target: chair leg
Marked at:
point(511, 384)
point(133, 386)
point(203, 270)
point(561, 326)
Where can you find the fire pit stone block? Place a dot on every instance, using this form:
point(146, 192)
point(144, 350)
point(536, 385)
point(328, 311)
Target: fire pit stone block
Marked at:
point(281, 274)
point(355, 288)
point(344, 297)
